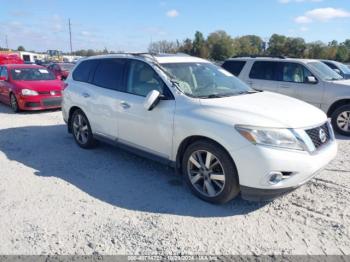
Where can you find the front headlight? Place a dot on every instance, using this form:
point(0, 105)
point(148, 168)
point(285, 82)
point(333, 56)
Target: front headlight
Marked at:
point(275, 137)
point(28, 92)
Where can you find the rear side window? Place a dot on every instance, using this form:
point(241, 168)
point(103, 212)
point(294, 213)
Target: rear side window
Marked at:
point(109, 73)
point(331, 65)
point(83, 70)
point(234, 67)
point(264, 70)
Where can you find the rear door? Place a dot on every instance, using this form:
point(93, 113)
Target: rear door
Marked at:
point(103, 96)
point(263, 76)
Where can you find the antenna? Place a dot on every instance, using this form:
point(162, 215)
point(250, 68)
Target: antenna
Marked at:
point(70, 36)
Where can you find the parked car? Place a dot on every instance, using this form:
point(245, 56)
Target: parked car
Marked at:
point(338, 67)
point(29, 87)
point(11, 58)
point(61, 70)
point(222, 135)
point(308, 80)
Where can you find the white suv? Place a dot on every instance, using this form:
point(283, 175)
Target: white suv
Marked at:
point(224, 137)
point(309, 80)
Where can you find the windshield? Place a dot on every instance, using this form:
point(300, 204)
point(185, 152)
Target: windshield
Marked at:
point(31, 74)
point(324, 72)
point(66, 67)
point(205, 80)
point(344, 68)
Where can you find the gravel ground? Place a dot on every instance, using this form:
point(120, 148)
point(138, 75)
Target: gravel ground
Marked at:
point(58, 198)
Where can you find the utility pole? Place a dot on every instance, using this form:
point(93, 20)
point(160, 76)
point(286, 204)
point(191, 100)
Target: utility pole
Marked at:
point(70, 36)
point(6, 41)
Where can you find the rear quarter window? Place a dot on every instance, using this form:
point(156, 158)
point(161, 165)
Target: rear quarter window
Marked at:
point(84, 71)
point(264, 70)
point(234, 67)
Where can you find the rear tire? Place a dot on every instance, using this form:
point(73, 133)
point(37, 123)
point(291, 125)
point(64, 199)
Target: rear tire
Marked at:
point(341, 120)
point(81, 130)
point(210, 172)
point(14, 103)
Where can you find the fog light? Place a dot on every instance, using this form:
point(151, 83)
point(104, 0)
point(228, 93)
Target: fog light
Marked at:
point(275, 178)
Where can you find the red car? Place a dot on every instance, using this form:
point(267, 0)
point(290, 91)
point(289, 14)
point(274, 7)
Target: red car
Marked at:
point(61, 69)
point(10, 59)
point(29, 87)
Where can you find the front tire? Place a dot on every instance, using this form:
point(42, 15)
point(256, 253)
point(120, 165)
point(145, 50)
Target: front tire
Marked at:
point(14, 103)
point(81, 130)
point(341, 120)
point(210, 172)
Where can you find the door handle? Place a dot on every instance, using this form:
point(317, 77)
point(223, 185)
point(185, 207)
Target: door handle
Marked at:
point(124, 105)
point(86, 95)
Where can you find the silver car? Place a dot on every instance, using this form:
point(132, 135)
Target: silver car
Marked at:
point(308, 80)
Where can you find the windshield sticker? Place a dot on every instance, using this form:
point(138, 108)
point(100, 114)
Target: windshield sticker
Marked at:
point(17, 71)
point(225, 72)
point(43, 71)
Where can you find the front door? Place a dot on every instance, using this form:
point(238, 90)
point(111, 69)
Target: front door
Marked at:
point(151, 131)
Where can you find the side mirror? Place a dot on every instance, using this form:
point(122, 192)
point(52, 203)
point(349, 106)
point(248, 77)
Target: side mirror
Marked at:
point(151, 100)
point(3, 78)
point(311, 80)
point(337, 71)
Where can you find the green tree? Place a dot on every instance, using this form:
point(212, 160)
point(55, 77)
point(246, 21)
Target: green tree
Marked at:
point(199, 46)
point(186, 46)
point(315, 49)
point(249, 45)
point(342, 54)
point(21, 48)
point(276, 46)
point(295, 47)
point(221, 46)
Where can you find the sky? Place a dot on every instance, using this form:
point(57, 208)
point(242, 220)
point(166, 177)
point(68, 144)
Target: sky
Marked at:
point(131, 25)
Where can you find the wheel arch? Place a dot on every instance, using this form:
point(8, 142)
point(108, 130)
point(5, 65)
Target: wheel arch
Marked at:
point(190, 140)
point(336, 105)
point(70, 114)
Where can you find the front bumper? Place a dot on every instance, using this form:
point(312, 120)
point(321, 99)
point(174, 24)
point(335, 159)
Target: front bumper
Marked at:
point(40, 102)
point(255, 164)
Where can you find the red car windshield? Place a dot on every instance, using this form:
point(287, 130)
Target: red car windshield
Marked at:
point(66, 67)
point(31, 74)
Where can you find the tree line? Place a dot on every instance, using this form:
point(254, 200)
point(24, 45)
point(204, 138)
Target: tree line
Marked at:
point(219, 46)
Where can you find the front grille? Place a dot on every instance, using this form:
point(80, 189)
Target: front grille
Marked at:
point(32, 104)
point(315, 135)
point(50, 102)
point(49, 93)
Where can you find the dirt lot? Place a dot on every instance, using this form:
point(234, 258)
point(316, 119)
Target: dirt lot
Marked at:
point(58, 198)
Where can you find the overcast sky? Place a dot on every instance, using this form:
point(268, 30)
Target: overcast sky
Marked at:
point(130, 25)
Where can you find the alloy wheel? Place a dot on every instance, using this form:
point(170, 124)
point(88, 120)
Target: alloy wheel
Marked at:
point(343, 121)
point(14, 103)
point(206, 173)
point(81, 129)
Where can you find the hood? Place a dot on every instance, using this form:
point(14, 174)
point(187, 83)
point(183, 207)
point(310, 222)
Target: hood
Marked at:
point(40, 86)
point(266, 109)
point(344, 82)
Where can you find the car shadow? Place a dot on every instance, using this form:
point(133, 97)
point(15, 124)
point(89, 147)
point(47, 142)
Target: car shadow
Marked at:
point(341, 137)
point(110, 174)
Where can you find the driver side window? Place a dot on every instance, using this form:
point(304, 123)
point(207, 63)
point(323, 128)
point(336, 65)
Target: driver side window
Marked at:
point(295, 73)
point(142, 79)
point(3, 72)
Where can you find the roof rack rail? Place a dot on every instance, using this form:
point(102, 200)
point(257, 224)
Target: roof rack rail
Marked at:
point(262, 56)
